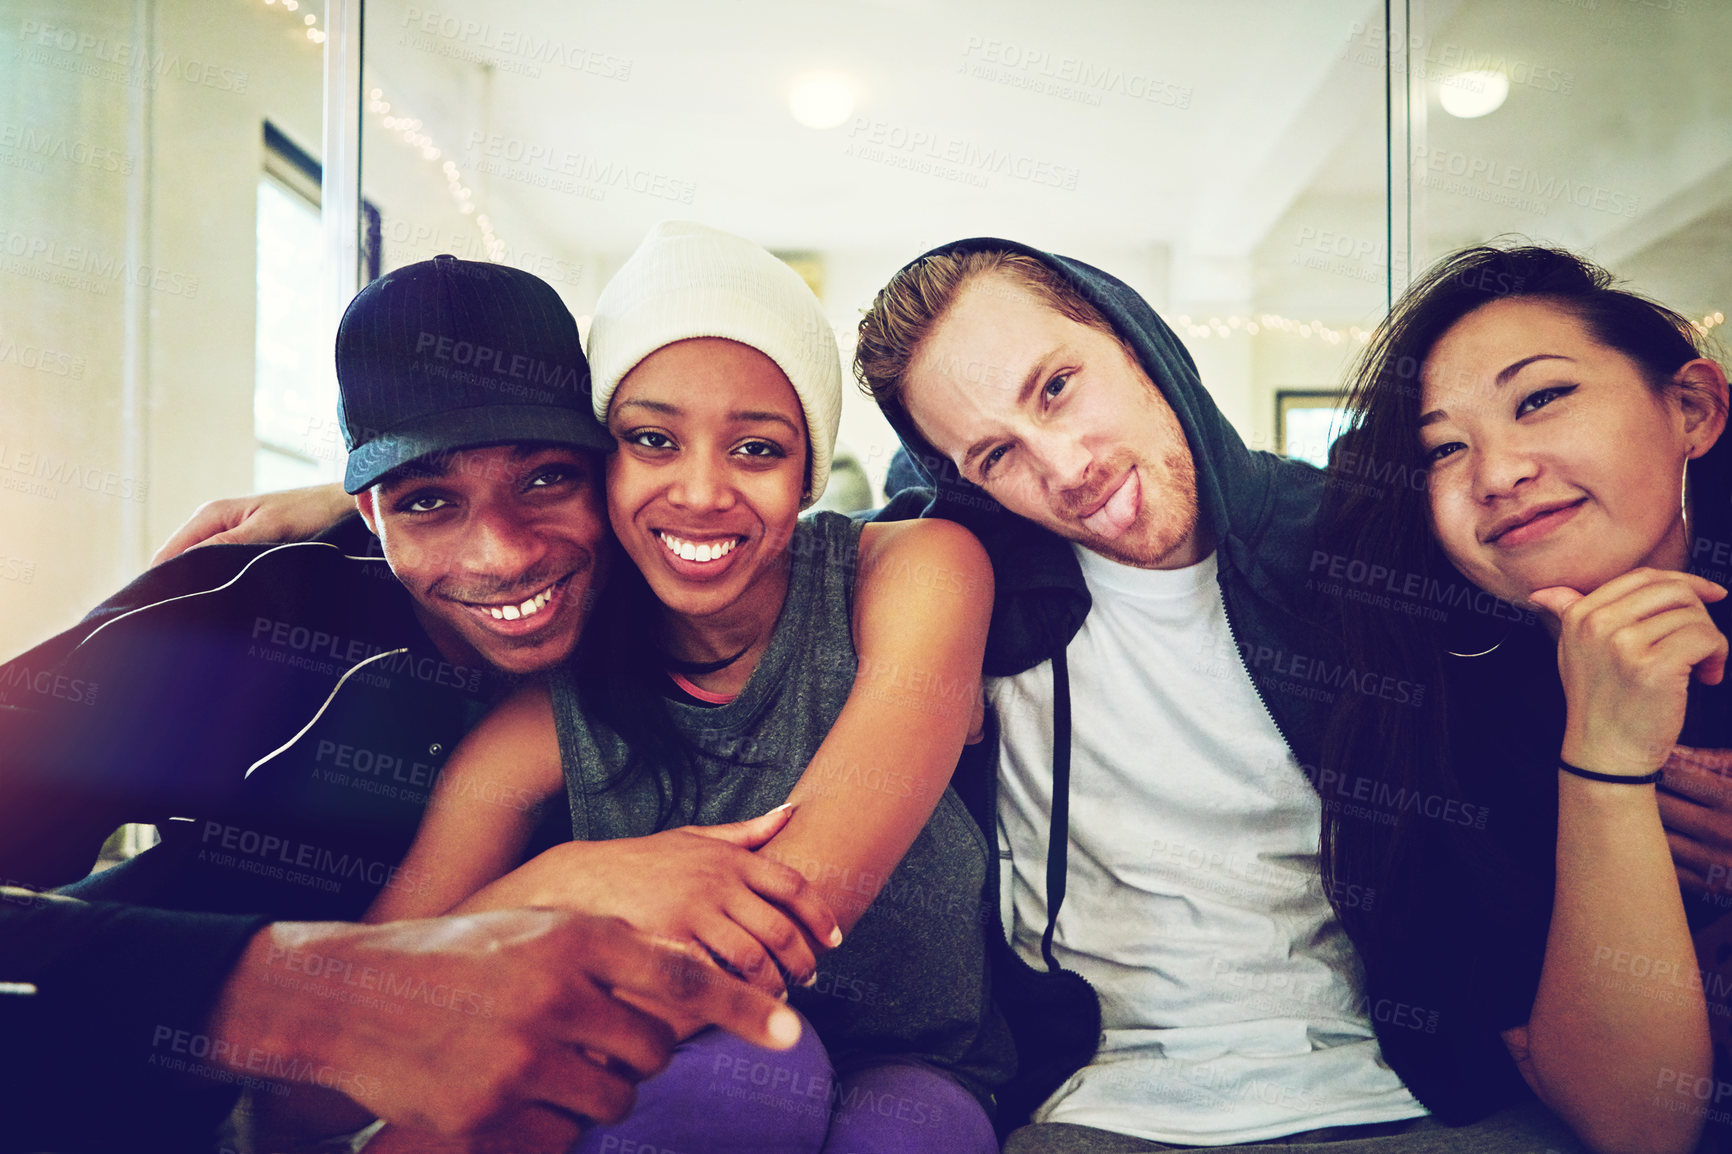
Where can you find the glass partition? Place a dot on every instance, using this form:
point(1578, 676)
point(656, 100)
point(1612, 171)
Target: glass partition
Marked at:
point(1601, 125)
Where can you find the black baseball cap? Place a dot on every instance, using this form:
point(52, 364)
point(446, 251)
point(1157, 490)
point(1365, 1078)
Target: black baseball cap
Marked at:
point(452, 354)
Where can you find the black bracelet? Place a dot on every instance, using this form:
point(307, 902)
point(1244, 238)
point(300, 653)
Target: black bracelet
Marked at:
point(1617, 778)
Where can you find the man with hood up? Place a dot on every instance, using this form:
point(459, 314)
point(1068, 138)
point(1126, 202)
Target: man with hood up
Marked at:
point(1161, 685)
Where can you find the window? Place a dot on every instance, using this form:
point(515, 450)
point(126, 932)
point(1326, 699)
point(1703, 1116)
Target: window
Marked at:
point(294, 384)
point(1307, 421)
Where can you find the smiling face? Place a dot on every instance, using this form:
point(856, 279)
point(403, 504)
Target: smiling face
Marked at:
point(501, 548)
point(1058, 423)
point(1552, 459)
point(705, 489)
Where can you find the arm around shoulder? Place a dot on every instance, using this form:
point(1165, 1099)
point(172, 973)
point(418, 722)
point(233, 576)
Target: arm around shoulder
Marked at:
point(289, 515)
point(922, 604)
point(925, 594)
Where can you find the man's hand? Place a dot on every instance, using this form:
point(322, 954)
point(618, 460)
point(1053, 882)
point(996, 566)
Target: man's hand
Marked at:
point(517, 1025)
point(700, 884)
point(1696, 809)
point(291, 515)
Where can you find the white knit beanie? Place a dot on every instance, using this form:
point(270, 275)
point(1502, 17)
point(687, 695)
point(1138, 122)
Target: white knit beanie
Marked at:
point(687, 280)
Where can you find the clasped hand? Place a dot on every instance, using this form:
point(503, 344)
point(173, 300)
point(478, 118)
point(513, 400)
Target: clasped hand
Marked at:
point(702, 884)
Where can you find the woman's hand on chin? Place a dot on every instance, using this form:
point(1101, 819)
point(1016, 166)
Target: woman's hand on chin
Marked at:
point(1626, 653)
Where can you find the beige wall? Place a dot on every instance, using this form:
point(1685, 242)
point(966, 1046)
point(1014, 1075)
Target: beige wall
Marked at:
point(130, 147)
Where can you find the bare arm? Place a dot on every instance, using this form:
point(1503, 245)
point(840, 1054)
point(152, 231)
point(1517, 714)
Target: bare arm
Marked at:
point(1609, 1042)
point(291, 515)
point(482, 813)
point(700, 884)
point(922, 603)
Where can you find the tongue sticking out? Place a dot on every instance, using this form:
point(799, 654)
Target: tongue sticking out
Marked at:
point(1116, 515)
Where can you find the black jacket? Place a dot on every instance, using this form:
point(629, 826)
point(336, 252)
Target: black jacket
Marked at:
point(1262, 513)
point(278, 712)
point(104, 1054)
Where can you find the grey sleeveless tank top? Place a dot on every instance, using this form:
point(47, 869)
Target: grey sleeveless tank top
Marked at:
point(911, 980)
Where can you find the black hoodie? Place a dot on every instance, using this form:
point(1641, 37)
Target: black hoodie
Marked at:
point(1262, 513)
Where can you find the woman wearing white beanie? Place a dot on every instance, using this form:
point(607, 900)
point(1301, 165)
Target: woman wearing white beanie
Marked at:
point(688, 281)
point(753, 658)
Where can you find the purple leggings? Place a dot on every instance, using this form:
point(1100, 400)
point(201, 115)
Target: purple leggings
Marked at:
point(724, 1096)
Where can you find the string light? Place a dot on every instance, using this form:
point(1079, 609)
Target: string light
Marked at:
point(1218, 327)
point(408, 129)
point(1215, 327)
point(310, 21)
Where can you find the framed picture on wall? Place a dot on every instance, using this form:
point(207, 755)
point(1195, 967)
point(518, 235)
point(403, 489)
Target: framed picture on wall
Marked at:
point(1307, 421)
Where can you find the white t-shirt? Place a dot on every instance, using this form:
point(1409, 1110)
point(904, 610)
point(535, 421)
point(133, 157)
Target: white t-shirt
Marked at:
point(1231, 999)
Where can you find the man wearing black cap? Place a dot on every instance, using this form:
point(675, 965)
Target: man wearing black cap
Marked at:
point(281, 712)
point(471, 439)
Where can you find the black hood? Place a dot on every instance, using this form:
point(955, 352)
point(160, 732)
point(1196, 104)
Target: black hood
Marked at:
point(1043, 592)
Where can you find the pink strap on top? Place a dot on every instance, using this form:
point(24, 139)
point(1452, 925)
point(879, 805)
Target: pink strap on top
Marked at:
point(702, 695)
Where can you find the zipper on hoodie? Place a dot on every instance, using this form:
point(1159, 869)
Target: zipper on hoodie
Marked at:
point(1252, 677)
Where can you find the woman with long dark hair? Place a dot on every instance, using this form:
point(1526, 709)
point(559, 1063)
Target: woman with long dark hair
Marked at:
point(1530, 473)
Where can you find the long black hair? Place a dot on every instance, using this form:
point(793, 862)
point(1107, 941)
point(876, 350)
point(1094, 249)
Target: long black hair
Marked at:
point(1377, 513)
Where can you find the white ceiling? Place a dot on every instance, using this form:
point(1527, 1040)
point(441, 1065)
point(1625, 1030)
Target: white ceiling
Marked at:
point(706, 102)
point(1283, 121)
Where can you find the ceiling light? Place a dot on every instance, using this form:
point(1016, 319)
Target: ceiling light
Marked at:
point(821, 99)
point(1471, 94)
